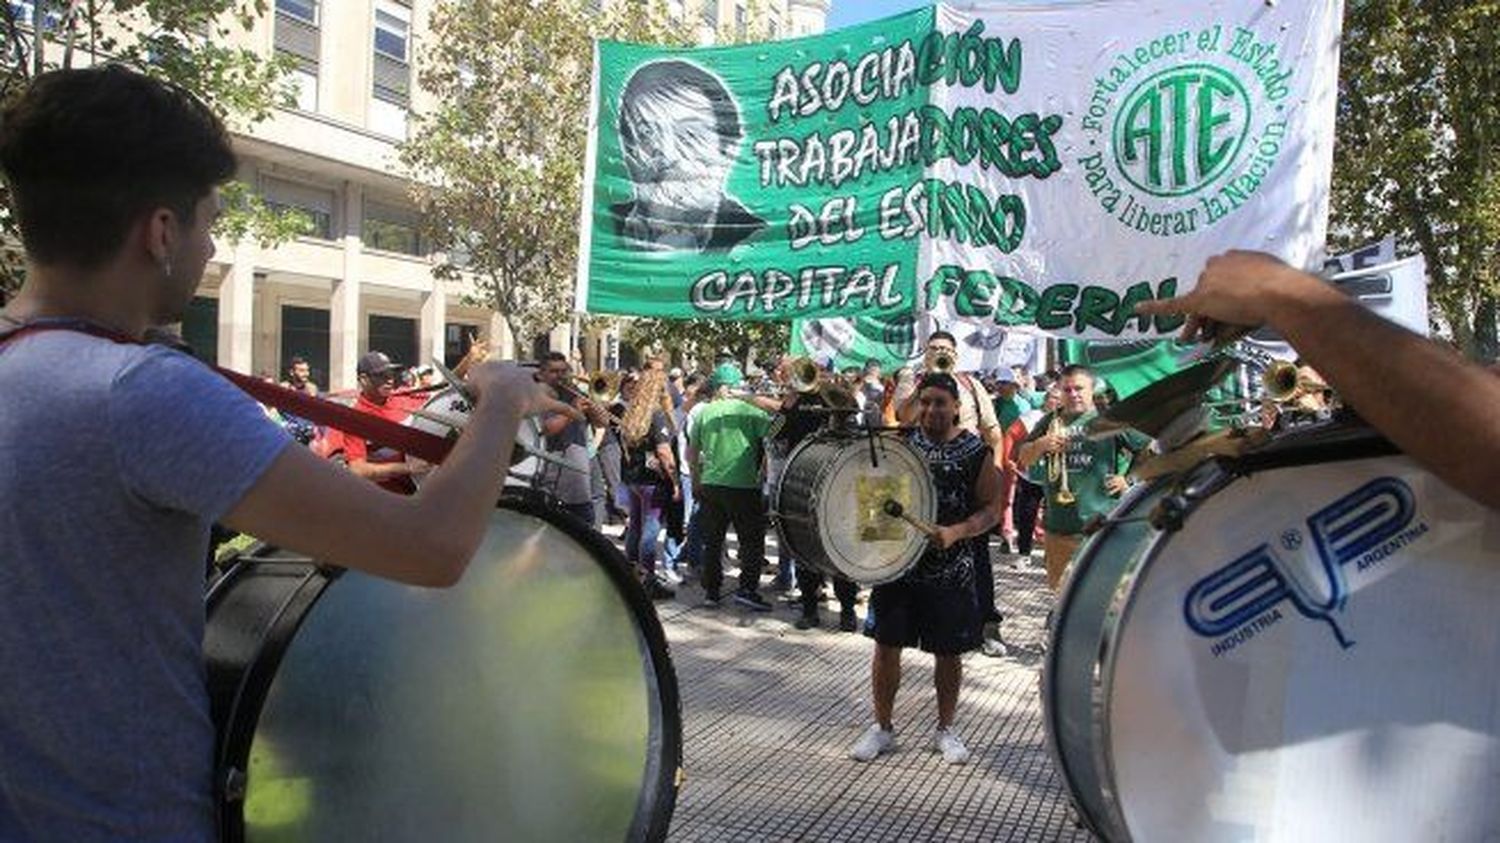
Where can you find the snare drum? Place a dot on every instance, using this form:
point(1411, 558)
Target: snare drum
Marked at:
point(449, 404)
point(828, 505)
point(533, 701)
point(1297, 644)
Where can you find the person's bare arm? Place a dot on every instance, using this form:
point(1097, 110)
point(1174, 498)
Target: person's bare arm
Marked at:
point(308, 505)
point(557, 422)
point(378, 471)
point(1439, 408)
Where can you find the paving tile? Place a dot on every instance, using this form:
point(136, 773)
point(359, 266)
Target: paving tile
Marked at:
point(769, 714)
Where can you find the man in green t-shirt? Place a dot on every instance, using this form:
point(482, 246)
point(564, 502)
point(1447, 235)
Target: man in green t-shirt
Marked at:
point(1096, 468)
point(724, 451)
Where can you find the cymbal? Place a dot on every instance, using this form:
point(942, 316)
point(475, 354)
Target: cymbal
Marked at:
point(1154, 408)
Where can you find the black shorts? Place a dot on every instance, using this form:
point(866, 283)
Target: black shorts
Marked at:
point(940, 619)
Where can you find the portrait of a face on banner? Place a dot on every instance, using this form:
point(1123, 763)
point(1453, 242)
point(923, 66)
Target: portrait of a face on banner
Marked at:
point(1001, 170)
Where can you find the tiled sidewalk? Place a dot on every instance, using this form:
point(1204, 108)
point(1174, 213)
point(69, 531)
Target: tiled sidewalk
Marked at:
point(770, 713)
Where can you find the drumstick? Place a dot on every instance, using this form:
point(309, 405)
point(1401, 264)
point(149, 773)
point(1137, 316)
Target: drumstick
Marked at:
point(896, 510)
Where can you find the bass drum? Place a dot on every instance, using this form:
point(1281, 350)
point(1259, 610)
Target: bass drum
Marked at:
point(829, 500)
point(1296, 644)
point(535, 700)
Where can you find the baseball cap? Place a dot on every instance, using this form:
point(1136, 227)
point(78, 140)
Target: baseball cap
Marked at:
point(726, 374)
point(374, 363)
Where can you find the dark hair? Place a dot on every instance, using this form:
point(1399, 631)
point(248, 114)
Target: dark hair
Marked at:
point(692, 380)
point(87, 152)
point(939, 380)
point(664, 76)
point(554, 357)
point(1075, 369)
point(942, 335)
point(297, 361)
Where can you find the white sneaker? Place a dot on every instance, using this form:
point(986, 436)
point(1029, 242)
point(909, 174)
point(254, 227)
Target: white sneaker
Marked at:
point(948, 743)
point(872, 743)
point(671, 576)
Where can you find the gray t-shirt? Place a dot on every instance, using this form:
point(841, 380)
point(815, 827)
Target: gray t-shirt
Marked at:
point(114, 461)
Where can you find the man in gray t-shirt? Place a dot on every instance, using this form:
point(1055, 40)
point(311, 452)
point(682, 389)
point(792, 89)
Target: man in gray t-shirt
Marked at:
point(116, 457)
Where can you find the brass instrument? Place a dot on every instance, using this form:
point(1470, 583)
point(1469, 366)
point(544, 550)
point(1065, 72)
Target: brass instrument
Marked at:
point(603, 386)
point(1057, 466)
point(805, 375)
point(1284, 383)
point(941, 362)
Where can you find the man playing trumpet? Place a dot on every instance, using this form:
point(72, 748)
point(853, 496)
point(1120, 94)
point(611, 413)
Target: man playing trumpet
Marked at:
point(1085, 476)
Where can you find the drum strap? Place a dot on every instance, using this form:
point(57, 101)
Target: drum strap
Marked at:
point(407, 440)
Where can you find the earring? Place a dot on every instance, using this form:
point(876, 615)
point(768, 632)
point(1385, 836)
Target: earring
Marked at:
point(166, 267)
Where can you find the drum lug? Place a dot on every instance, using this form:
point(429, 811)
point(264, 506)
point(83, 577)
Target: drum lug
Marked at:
point(1169, 513)
point(234, 785)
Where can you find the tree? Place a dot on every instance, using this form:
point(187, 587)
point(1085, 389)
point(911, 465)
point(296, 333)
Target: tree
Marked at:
point(498, 164)
point(703, 340)
point(1417, 156)
point(188, 42)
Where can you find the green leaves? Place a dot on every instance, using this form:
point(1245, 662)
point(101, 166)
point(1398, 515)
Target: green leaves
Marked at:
point(1417, 152)
point(499, 160)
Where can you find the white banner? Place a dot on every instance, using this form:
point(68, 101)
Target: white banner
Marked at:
point(1134, 140)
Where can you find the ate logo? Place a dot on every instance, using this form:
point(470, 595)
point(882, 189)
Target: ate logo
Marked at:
point(1180, 129)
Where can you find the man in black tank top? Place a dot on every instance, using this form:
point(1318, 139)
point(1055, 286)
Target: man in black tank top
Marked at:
point(933, 606)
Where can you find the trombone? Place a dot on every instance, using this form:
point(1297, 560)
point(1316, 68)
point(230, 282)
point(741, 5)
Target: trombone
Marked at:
point(1057, 466)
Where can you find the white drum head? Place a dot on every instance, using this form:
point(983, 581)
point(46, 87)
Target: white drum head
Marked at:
point(1313, 658)
point(864, 543)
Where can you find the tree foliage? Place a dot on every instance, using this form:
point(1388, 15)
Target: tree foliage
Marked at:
point(188, 42)
point(499, 161)
point(1418, 128)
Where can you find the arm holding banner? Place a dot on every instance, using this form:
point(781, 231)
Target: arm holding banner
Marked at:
point(1403, 384)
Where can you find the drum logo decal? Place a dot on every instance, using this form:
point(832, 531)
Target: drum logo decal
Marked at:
point(1365, 527)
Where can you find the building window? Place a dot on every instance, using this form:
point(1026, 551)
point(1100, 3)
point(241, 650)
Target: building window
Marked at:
point(304, 79)
point(774, 28)
point(396, 336)
point(200, 328)
point(315, 202)
point(392, 28)
point(303, 10)
point(740, 23)
point(23, 12)
point(457, 337)
point(393, 229)
point(304, 333)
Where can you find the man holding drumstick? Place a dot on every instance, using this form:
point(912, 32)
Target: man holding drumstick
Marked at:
point(115, 471)
point(932, 606)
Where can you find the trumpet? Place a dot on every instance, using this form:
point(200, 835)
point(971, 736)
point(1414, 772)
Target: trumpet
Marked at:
point(1284, 383)
point(1057, 467)
point(941, 362)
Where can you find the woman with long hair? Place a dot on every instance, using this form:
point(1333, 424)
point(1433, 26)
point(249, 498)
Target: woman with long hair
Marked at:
point(649, 474)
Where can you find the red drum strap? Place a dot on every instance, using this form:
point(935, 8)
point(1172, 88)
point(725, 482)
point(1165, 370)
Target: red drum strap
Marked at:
point(417, 443)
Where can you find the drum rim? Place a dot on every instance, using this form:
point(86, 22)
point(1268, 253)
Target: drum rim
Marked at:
point(1338, 441)
point(1072, 582)
point(783, 535)
point(658, 799)
point(1216, 476)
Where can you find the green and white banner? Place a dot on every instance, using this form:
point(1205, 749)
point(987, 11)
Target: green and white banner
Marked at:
point(1017, 164)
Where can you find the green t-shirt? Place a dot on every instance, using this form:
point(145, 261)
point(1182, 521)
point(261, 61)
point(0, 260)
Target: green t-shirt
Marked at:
point(1089, 462)
point(727, 433)
point(1007, 410)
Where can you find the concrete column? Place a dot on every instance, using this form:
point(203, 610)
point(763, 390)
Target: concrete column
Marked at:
point(343, 305)
point(430, 335)
point(237, 309)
